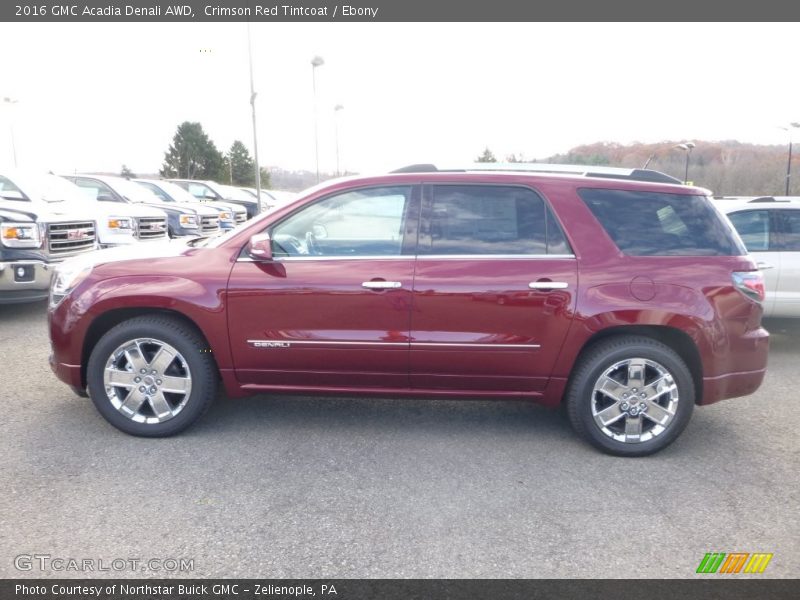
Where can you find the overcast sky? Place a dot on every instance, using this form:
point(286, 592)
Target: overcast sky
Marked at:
point(92, 96)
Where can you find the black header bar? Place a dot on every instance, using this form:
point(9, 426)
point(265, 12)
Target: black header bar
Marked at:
point(397, 11)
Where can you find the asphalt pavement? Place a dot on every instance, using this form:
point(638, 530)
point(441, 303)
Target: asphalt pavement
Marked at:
point(279, 486)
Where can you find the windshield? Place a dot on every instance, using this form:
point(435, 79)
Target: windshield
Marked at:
point(134, 192)
point(46, 188)
point(175, 192)
point(230, 192)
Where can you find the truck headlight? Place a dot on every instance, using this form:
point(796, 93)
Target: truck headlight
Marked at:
point(188, 221)
point(20, 235)
point(224, 216)
point(67, 276)
point(120, 223)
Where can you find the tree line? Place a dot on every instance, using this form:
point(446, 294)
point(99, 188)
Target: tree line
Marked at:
point(727, 168)
point(193, 155)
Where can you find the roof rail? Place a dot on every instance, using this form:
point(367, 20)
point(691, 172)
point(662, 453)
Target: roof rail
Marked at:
point(583, 170)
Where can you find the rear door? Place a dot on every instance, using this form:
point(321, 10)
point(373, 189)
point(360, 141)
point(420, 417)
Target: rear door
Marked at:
point(332, 309)
point(756, 227)
point(494, 290)
point(787, 296)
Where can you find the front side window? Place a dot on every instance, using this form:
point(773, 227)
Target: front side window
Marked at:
point(656, 224)
point(367, 222)
point(753, 228)
point(490, 220)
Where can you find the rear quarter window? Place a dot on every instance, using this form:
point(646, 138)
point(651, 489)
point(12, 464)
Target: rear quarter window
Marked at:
point(656, 224)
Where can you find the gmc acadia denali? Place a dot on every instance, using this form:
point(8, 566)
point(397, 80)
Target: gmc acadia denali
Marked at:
point(617, 292)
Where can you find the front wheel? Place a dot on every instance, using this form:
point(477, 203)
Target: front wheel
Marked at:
point(151, 376)
point(630, 396)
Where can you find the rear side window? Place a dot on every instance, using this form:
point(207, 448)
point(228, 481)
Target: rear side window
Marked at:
point(655, 224)
point(494, 220)
point(788, 225)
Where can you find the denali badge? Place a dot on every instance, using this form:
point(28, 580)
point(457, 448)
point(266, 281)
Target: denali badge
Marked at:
point(268, 344)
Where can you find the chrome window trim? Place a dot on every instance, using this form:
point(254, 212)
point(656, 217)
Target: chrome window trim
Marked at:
point(416, 257)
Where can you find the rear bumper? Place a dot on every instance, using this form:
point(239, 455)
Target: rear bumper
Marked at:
point(746, 369)
point(731, 385)
point(24, 281)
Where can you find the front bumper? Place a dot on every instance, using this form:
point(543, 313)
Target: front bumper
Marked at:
point(24, 281)
point(69, 374)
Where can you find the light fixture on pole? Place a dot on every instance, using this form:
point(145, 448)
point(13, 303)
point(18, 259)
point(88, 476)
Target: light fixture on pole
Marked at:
point(255, 137)
point(789, 162)
point(317, 61)
point(336, 110)
point(11, 102)
point(686, 147)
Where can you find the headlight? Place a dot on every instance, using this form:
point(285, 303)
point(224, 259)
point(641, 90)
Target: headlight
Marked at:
point(224, 216)
point(20, 235)
point(68, 275)
point(119, 223)
point(188, 221)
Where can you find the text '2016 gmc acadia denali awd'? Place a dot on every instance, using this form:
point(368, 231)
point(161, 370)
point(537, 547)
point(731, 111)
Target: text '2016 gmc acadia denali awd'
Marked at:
point(617, 292)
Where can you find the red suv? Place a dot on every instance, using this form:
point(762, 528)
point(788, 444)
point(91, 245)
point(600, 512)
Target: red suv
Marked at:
point(617, 292)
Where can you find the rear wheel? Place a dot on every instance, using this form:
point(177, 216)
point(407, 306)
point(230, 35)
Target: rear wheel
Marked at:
point(151, 376)
point(630, 396)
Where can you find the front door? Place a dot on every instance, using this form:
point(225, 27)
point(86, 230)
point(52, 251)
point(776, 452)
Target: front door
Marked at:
point(332, 309)
point(494, 290)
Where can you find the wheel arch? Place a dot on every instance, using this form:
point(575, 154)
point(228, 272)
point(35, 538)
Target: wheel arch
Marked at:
point(676, 339)
point(111, 318)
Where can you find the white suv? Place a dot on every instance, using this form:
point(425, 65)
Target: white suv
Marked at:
point(770, 228)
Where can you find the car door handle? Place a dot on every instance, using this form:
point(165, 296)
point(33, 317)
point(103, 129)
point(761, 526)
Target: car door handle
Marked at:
point(548, 285)
point(764, 266)
point(382, 285)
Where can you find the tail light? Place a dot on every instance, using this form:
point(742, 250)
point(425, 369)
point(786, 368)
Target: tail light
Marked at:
point(750, 283)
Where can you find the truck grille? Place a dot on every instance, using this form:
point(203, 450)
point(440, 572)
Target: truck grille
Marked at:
point(209, 224)
point(70, 238)
point(151, 228)
point(240, 217)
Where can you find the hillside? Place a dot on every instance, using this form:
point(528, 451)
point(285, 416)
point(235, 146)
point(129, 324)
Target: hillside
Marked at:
point(726, 168)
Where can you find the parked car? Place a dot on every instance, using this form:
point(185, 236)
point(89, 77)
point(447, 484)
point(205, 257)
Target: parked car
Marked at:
point(271, 199)
point(149, 222)
point(37, 230)
point(617, 292)
point(770, 228)
point(216, 192)
point(185, 219)
point(115, 223)
point(169, 192)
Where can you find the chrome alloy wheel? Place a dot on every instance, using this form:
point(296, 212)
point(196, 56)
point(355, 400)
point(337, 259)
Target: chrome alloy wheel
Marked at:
point(634, 400)
point(147, 380)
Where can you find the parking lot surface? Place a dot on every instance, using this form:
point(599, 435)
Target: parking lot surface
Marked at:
point(279, 486)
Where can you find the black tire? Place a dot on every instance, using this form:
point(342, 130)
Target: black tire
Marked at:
point(581, 399)
point(194, 362)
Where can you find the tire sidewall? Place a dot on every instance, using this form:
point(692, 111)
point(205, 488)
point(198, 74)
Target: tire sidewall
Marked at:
point(581, 397)
point(183, 343)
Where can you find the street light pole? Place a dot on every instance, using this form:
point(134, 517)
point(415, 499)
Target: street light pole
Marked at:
point(10, 102)
point(255, 136)
point(686, 147)
point(336, 110)
point(317, 61)
point(789, 162)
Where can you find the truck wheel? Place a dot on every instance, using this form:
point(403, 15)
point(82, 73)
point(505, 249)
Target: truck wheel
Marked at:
point(151, 376)
point(630, 396)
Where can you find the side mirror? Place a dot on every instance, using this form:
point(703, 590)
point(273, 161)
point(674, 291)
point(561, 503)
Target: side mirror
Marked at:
point(260, 247)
